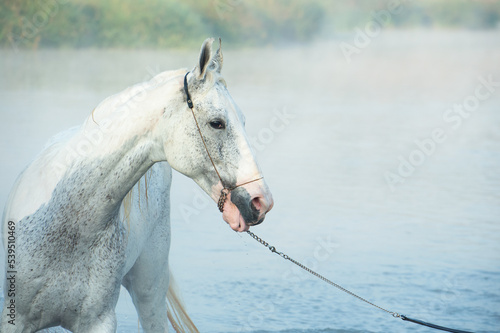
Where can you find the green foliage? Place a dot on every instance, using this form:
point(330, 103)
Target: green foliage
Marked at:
point(185, 23)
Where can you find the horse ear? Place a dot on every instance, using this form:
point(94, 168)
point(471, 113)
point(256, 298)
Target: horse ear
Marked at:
point(205, 55)
point(218, 59)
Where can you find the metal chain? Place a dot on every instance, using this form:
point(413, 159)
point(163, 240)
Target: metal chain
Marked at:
point(319, 276)
point(222, 199)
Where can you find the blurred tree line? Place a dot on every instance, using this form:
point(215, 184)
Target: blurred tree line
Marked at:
point(184, 23)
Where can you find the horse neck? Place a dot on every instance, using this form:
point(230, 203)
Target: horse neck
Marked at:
point(116, 149)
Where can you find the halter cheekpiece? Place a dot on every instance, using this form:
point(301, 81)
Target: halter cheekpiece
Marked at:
point(225, 190)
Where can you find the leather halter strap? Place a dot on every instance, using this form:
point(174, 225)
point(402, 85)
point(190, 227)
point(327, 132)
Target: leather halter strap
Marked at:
point(225, 190)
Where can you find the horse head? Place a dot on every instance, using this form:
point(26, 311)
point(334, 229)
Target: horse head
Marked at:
point(207, 142)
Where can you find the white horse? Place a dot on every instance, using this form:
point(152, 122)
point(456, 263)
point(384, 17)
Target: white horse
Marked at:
point(91, 212)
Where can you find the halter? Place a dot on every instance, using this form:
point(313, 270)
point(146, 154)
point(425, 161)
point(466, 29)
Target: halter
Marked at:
point(225, 190)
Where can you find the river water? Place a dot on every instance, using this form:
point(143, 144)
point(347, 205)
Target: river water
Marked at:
point(383, 166)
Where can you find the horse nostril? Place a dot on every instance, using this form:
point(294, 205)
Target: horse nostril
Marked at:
point(256, 203)
point(255, 223)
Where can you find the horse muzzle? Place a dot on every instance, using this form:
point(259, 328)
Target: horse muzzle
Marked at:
point(252, 206)
point(243, 210)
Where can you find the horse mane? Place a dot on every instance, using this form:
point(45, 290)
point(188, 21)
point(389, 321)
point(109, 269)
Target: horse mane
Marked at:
point(127, 95)
point(127, 201)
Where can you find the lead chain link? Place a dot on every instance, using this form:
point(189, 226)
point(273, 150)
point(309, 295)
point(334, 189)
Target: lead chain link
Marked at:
point(319, 276)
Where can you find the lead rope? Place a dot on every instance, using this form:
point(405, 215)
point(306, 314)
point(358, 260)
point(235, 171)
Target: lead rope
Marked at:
point(222, 199)
point(319, 276)
point(225, 190)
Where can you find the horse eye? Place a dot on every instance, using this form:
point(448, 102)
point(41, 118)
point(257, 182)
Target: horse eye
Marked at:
point(217, 124)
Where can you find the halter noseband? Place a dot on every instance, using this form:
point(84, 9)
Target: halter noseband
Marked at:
point(225, 190)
